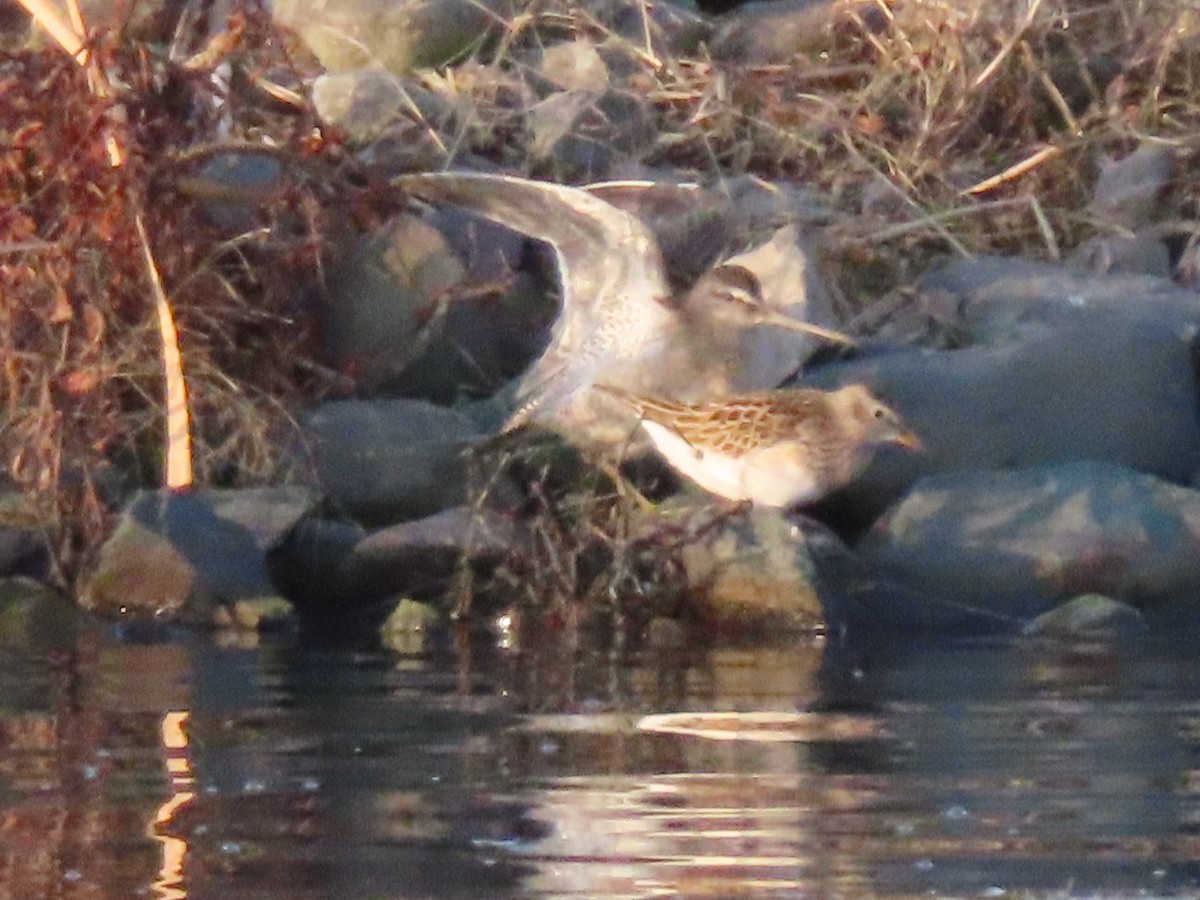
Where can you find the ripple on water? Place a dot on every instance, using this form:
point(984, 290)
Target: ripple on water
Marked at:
point(972, 770)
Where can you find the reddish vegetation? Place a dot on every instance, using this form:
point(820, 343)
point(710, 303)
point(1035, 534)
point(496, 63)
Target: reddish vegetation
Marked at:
point(82, 374)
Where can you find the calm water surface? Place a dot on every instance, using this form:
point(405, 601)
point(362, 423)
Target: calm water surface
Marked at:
point(180, 766)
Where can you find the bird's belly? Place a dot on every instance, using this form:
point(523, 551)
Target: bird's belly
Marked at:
point(717, 473)
point(768, 477)
point(780, 476)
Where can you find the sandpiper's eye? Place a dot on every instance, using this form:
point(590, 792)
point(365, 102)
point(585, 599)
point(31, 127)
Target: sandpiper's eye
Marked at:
point(879, 412)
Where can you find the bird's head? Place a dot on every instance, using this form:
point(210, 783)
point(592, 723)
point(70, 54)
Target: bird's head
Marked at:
point(875, 421)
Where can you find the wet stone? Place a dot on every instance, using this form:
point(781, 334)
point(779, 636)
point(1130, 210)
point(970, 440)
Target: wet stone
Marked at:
point(1019, 543)
point(1090, 615)
point(37, 619)
point(184, 553)
point(747, 570)
point(23, 550)
point(420, 558)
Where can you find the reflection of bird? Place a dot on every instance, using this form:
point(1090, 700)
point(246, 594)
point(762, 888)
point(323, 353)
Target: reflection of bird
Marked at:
point(777, 448)
point(619, 322)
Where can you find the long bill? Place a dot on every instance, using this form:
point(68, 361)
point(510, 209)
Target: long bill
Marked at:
point(828, 334)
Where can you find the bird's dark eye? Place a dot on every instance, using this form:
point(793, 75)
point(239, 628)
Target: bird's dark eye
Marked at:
point(878, 412)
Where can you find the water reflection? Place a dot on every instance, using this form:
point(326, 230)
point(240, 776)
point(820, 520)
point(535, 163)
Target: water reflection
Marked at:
point(178, 767)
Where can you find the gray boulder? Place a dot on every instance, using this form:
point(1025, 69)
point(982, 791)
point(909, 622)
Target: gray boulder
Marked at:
point(384, 299)
point(185, 553)
point(860, 607)
point(383, 461)
point(1000, 298)
point(766, 33)
point(1019, 543)
point(340, 576)
point(1089, 616)
point(419, 559)
point(1122, 392)
point(397, 35)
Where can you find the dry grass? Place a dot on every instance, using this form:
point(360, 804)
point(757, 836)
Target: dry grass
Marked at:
point(81, 388)
point(896, 112)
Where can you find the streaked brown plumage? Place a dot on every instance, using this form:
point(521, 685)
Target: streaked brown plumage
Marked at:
point(778, 448)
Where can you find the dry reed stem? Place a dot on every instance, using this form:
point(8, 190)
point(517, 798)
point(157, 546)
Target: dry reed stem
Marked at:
point(179, 470)
point(62, 32)
point(179, 467)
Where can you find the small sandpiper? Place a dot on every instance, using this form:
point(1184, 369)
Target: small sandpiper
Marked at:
point(777, 448)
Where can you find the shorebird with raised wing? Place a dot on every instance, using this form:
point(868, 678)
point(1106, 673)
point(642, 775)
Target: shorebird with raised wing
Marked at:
point(619, 323)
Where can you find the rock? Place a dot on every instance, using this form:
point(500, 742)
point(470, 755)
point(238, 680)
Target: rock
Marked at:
point(35, 619)
point(859, 607)
point(435, 308)
point(396, 35)
point(405, 630)
point(1122, 392)
point(384, 297)
point(232, 186)
point(182, 553)
point(767, 33)
point(1001, 298)
point(580, 136)
point(366, 102)
point(383, 461)
point(675, 30)
point(495, 325)
point(1021, 542)
point(23, 548)
point(746, 570)
point(260, 614)
point(1090, 615)
point(583, 128)
point(305, 565)
point(1129, 191)
point(575, 66)
point(418, 559)
point(1137, 254)
point(394, 121)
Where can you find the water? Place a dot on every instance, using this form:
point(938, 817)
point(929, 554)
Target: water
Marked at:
point(181, 767)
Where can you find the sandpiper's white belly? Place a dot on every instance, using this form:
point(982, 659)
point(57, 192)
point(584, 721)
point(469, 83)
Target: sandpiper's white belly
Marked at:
point(771, 476)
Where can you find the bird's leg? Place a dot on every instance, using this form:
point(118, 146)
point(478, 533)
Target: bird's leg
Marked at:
point(612, 469)
point(624, 487)
point(723, 513)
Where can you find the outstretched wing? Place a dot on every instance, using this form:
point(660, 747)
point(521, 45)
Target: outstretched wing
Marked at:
point(610, 270)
